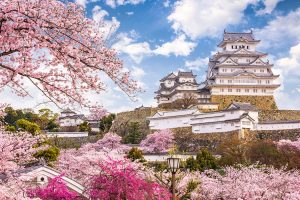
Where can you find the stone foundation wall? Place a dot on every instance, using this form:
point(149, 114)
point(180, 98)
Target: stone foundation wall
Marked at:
point(122, 120)
point(275, 115)
point(261, 102)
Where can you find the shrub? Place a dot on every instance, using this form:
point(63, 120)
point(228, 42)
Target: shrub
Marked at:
point(28, 126)
point(134, 135)
point(135, 154)
point(204, 160)
point(84, 127)
point(10, 128)
point(49, 154)
point(106, 122)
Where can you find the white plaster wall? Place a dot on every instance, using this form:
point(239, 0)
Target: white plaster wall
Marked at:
point(252, 47)
point(243, 91)
point(70, 122)
point(170, 122)
point(279, 126)
point(216, 127)
point(67, 134)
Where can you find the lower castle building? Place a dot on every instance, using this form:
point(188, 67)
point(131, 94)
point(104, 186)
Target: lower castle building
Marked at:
point(236, 117)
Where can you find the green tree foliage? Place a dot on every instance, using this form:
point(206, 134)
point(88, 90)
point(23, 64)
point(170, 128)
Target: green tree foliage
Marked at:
point(106, 122)
point(135, 154)
point(204, 160)
point(28, 126)
point(45, 118)
point(49, 153)
point(134, 134)
point(10, 128)
point(84, 127)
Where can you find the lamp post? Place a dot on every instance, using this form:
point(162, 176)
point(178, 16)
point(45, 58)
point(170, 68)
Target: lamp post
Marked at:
point(173, 165)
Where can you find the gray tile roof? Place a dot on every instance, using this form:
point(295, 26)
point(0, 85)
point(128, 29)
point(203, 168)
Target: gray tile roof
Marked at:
point(232, 36)
point(241, 106)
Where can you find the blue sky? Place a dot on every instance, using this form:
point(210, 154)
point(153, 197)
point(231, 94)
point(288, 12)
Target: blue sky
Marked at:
point(155, 37)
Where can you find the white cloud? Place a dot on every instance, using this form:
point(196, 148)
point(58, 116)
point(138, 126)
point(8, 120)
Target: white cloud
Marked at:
point(197, 64)
point(200, 18)
point(290, 64)
point(83, 3)
point(107, 27)
point(270, 5)
point(129, 13)
point(115, 3)
point(280, 30)
point(179, 47)
point(128, 45)
point(166, 3)
point(137, 72)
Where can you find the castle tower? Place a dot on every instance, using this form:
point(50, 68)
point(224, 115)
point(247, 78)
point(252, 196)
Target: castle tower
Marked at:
point(179, 88)
point(240, 73)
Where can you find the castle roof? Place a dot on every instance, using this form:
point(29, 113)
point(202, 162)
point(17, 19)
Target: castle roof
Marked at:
point(68, 110)
point(241, 106)
point(234, 36)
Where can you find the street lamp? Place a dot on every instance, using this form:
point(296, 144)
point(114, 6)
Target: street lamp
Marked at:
point(173, 165)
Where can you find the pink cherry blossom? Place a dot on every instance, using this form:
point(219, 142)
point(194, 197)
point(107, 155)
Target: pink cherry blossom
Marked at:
point(55, 47)
point(158, 142)
point(56, 189)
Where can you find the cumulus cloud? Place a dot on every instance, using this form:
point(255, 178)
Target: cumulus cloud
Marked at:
point(200, 18)
point(179, 47)
point(128, 45)
point(106, 26)
point(291, 63)
point(270, 5)
point(197, 64)
point(282, 29)
point(115, 3)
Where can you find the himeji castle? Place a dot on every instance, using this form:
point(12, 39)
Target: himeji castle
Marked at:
point(239, 69)
point(238, 73)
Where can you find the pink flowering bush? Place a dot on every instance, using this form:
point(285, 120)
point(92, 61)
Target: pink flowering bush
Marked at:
point(55, 190)
point(295, 144)
point(249, 183)
point(158, 142)
point(120, 179)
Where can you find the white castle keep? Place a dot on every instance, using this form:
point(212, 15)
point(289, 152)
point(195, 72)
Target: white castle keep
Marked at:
point(239, 69)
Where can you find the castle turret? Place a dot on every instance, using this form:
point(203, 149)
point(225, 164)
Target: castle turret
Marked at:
point(241, 73)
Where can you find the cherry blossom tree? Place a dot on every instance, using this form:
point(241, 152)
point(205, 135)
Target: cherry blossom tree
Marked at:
point(97, 113)
point(52, 45)
point(295, 143)
point(249, 183)
point(56, 189)
point(120, 179)
point(158, 142)
point(16, 149)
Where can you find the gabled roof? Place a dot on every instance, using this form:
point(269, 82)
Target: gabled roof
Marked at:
point(186, 74)
point(176, 113)
point(241, 106)
point(68, 110)
point(235, 36)
point(169, 76)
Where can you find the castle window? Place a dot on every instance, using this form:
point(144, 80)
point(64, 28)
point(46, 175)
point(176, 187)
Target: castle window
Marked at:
point(255, 90)
point(262, 70)
point(259, 81)
point(222, 90)
point(232, 70)
point(238, 90)
point(235, 60)
point(229, 81)
point(229, 90)
point(232, 47)
point(268, 81)
point(235, 46)
point(254, 70)
point(247, 47)
point(224, 70)
point(264, 90)
point(247, 60)
point(246, 90)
